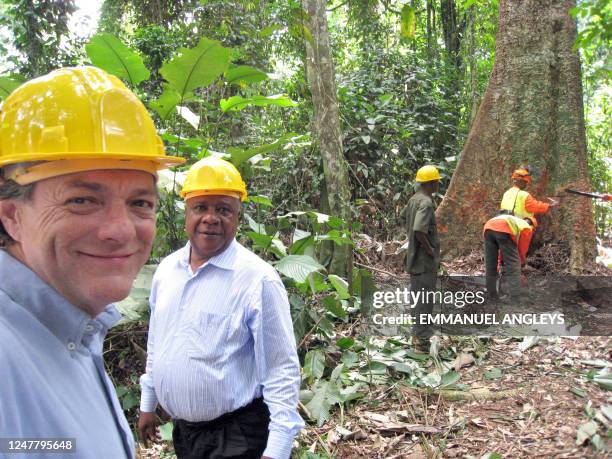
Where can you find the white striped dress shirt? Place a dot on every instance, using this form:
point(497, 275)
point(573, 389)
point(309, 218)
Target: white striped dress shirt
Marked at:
point(220, 337)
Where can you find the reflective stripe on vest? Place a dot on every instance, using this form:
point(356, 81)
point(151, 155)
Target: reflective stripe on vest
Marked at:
point(515, 224)
point(514, 201)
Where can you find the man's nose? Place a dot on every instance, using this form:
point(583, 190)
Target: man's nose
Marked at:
point(210, 217)
point(117, 224)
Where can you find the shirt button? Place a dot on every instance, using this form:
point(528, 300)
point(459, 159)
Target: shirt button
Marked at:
point(89, 328)
point(71, 346)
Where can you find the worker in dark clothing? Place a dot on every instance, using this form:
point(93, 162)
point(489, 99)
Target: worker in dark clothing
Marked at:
point(423, 257)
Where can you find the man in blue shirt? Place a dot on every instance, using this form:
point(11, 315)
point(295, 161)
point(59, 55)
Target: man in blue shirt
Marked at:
point(78, 162)
point(221, 354)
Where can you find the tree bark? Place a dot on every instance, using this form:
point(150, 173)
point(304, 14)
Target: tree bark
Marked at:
point(326, 127)
point(532, 112)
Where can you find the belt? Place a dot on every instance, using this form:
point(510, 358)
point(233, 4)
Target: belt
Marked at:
point(256, 405)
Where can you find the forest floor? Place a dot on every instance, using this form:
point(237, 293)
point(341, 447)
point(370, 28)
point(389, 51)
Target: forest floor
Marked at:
point(547, 397)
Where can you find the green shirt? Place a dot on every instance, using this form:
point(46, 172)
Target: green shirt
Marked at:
point(420, 216)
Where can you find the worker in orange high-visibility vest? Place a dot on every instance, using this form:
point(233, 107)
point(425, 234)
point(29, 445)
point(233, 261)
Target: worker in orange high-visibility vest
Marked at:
point(508, 236)
point(520, 203)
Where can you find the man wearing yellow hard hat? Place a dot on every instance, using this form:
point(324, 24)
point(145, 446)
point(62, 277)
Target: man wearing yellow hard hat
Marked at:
point(221, 354)
point(423, 257)
point(518, 202)
point(78, 162)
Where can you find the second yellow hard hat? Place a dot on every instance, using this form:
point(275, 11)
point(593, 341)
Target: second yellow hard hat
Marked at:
point(427, 174)
point(213, 176)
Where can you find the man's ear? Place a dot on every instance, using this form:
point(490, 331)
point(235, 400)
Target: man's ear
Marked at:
point(10, 217)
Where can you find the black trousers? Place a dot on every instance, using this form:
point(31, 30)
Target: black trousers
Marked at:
point(496, 242)
point(240, 434)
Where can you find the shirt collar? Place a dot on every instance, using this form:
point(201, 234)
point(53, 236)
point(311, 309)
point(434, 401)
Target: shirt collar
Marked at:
point(66, 321)
point(225, 260)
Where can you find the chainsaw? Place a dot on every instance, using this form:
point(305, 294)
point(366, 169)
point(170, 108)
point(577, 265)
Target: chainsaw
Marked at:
point(604, 196)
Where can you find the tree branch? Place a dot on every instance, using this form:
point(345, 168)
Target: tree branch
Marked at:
point(385, 3)
point(338, 6)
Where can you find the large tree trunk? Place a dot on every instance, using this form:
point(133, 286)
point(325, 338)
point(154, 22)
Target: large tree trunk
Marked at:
point(531, 112)
point(321, 77)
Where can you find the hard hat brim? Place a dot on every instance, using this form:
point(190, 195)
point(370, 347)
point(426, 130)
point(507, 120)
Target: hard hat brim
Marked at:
point(162, 161)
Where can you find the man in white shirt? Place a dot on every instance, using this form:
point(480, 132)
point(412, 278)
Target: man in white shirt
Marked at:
point(221, 357)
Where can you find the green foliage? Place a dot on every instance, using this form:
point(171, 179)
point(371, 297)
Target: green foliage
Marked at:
point(7, 86)
point(238, 102)
point(196, 67)
point(39, 33)
point(243, 75)
point(298, 267)
point(109, 53)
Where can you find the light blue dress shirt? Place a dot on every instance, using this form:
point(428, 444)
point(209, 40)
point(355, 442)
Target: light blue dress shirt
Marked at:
point(52, 378)
point(220, 337)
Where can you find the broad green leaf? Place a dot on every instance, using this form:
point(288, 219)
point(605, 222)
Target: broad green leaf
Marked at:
point(136, 305)
point(448, 378)
point(165, 431)
point(352, 393)
point(469, 3)
point(335, 375)
point(109, 53)
point(314, 365)
point(257, 227)
point(408, 22)
point(238, 102)
point(262, 241)
point(340, 285)
point(262, 200)
point(129, 401)
point(326, 395)
point(166, 102)
point(300, 245)
point(243, 75)
point(278, 248)
point(7, 86)
point(317, 284)
point(238, 156)
point(604, 381)
point(585, 431)
point(349, 358)
point(345, 343)
point(493, 373)
point(577, 391)
point(333, 305)
point(196, 67)
point(432, 380)
point(298, 267)
point(336, 237)
point(306, 395)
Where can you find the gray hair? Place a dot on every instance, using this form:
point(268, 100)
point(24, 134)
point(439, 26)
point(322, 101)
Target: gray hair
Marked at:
point(10, 189)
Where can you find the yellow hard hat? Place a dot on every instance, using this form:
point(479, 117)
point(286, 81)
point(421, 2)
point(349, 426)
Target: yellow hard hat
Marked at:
point(214, 176)
point(427, 174)
point(77, 119)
